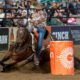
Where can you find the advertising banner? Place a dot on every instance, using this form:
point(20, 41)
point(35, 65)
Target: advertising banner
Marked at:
point(66, 33)
point(61, 33)
point(4, 38)
point(75, 34)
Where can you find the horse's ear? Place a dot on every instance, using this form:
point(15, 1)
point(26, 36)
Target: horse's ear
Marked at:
point(46, 34)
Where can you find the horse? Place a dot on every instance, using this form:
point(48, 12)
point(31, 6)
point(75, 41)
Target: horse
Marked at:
point(22, 50)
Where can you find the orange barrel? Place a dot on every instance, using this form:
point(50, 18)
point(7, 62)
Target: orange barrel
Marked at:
point(61, 58)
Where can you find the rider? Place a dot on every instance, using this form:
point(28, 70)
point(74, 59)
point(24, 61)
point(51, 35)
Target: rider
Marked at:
point(39, 26)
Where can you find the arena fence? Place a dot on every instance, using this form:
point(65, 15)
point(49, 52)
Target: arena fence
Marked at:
point(61, 33)
point(66, 33)
point(7, 35)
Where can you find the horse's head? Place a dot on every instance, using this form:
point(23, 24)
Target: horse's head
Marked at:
point(21, 35)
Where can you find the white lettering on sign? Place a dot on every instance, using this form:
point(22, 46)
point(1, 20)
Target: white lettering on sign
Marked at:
point(61, 35)
point(3, 39)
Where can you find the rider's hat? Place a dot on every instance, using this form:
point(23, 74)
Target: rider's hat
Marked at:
point(38, 7)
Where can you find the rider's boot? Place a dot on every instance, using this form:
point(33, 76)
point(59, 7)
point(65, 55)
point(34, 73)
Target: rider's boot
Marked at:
point(36, 67)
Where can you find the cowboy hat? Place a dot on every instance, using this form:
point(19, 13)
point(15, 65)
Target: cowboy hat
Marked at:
point(38, 6)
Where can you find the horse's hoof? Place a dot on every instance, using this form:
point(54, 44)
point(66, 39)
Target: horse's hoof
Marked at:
point(7, 68)
point(4, 68)
point(1, 68)
point(1, 63)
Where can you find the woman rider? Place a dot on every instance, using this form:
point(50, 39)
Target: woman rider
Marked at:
point(39, 22)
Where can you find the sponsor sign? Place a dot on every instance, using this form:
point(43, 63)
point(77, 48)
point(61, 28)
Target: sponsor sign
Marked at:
point(61, 33)
point(75, 34)
point(66, 33)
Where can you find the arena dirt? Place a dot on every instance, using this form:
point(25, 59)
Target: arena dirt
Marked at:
point(26, 72)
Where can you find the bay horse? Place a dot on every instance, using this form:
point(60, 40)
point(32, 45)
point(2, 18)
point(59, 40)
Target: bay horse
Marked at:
point(22, 50)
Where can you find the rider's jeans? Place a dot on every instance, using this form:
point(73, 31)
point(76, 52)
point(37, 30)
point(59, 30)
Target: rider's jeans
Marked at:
point(41, 32)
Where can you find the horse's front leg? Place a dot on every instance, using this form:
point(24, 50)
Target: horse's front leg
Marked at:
point(8, 54)
point(6, 57)
point(3, 65)
point(9, 66)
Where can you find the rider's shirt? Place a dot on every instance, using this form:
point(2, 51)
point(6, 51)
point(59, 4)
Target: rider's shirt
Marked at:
point(39, 19)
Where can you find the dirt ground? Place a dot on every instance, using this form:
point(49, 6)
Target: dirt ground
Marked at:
point(26, 73)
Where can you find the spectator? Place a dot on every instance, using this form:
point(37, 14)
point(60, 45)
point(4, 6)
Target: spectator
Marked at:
point(73, 8)
point(27, 6)
point(7, 6)
point(51, 12)
point(55, 14)
point(78, 6)
point(8, 22)
point(2, 15)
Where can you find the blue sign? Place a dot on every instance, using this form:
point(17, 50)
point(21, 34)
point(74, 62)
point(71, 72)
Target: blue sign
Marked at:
point(75, 34)
point(4, 37)
point(66, 33)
